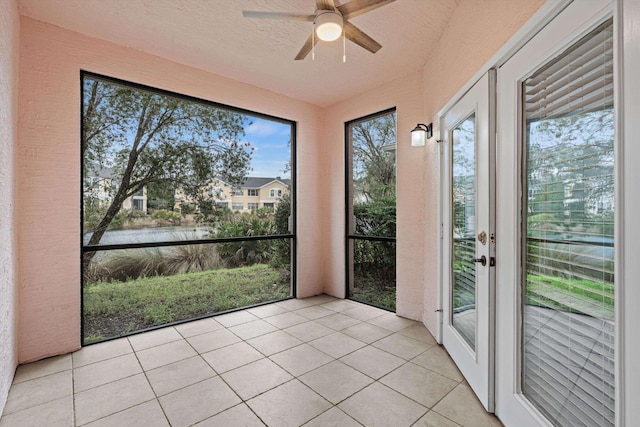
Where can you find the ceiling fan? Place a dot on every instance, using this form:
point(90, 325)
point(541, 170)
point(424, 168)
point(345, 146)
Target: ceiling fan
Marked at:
point(330, 20)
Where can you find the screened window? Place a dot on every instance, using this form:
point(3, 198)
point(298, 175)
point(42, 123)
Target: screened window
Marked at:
point(253, 192)
point(252, 206)
point(569, 322)
point(371, 209)
point(238, 206)
point(160, 243)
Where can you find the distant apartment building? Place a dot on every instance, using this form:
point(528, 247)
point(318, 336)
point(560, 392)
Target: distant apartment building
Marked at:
point(252, 194)
point(102, 183)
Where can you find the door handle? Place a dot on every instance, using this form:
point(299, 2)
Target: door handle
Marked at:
point(482, 260)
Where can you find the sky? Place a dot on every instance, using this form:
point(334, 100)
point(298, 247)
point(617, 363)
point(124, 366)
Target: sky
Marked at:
point(270, 140)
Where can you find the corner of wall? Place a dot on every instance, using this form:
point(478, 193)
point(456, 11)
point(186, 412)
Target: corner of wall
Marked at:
point(467, 44)
point(9, 33)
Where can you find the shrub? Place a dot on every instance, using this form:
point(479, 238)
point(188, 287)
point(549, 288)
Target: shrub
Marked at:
point(131, 214)
point(94, 211)
point(374, 262)
point(138, 263)
point(192, 258)
point(376, 217)
point(187, 209)
point(167, 215)
point(264, 213)
point(281, 256)
point(125, 265)
point(245, 252)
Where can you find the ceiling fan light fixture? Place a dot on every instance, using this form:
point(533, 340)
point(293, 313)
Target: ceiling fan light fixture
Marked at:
point(328, 25)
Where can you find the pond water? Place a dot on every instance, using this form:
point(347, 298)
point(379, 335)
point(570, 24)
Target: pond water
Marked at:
point(151, 234)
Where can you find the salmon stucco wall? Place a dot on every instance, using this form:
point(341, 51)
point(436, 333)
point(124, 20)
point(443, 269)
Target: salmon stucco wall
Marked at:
point(9, 31)
point(405, 94)
point(48, 169)
point(475, 32)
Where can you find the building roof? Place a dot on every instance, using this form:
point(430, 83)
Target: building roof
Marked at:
point(259, 182)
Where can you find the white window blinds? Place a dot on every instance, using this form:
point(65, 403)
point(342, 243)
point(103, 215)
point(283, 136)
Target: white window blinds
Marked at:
point(578, 81)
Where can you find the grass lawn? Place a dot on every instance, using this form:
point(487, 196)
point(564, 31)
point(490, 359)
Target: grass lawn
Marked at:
point(112, 309)
point(371, 287)
point(579, 295)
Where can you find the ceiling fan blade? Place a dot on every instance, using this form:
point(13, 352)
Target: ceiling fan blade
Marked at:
point(356, 35)
point(278, 15)
point(325, 5)
point(306, 47)
point(358, 7)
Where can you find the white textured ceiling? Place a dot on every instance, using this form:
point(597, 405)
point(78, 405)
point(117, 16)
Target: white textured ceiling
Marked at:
point(214, 36)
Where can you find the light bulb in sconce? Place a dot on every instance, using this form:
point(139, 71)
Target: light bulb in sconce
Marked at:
point(420, 134)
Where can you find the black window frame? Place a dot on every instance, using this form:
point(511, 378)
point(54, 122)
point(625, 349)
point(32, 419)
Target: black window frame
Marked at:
point(348, 175)
point(291, 236)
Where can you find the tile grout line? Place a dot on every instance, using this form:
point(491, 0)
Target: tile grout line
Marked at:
point(242, 401)
point(294, 377)
point(73, 391)
point(144, 372)
point(307, 320)
point(119, 379)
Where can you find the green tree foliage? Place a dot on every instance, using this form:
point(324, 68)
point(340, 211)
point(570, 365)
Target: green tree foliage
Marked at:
point(374, 160)
point(282, 247)
point(570, 178)
point(570, 169)
point(377, 216)
point(210, 213)
point(151, 139)
point(374, 208)
point(374, 176)
point(161, 195)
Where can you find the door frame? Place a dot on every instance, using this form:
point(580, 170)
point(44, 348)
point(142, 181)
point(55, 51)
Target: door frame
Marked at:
point(627, 203)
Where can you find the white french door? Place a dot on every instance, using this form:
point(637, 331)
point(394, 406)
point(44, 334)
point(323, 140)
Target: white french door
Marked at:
point(555, 317)
point(467, 165)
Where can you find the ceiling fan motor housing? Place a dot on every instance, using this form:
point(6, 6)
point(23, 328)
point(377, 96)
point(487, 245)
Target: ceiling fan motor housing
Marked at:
point(328, 25)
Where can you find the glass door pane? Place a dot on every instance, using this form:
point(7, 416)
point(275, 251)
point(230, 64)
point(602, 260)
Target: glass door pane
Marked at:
point(569, 323)
point(463, 267)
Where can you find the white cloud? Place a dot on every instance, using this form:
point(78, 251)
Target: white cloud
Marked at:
point(268, 168)
point(263, 128)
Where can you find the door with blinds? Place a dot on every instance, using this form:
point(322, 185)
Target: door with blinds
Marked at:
point(556, 210)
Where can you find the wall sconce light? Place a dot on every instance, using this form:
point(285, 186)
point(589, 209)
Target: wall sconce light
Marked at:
point(420, 134)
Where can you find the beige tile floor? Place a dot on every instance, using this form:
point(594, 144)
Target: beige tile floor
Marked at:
point(318, 361)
